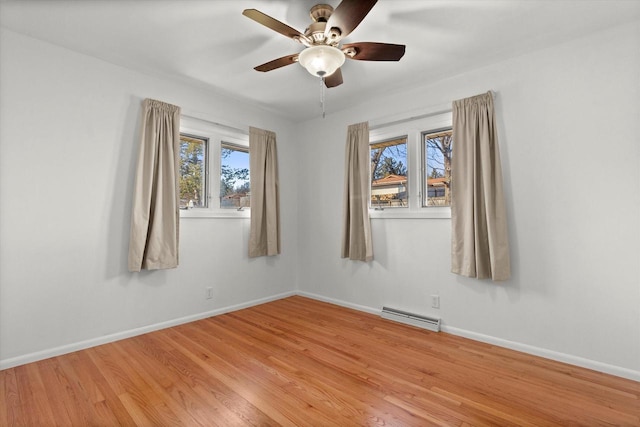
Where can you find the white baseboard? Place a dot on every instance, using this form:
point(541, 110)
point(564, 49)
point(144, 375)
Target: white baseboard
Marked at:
point(524, 348)
point(548, 354)
point(69, 348)
point(339, 302)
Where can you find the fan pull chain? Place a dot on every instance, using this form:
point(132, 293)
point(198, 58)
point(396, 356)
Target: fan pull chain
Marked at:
point(322, 86)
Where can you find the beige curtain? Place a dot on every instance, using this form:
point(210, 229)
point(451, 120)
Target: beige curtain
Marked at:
point(356, 225)
point(264, 235)
point(479, 244)
point(155, 216)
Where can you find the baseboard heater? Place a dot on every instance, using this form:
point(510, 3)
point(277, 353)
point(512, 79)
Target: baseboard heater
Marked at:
point(425, 322)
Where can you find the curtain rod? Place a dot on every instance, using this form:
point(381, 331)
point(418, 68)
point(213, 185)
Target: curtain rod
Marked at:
point(192, 115)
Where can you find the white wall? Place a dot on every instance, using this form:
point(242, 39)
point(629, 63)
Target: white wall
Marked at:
point(69, 141)
point(570, 147)
point(569, 138)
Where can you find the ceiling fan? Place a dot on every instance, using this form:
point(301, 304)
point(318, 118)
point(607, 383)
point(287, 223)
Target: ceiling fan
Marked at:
point(323, 56)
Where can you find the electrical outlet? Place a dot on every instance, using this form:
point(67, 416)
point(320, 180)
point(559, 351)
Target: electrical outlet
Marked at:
point(209, 293)
point(435, 301)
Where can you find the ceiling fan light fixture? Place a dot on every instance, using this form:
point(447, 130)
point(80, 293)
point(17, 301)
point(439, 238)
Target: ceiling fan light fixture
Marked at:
point(321, 60)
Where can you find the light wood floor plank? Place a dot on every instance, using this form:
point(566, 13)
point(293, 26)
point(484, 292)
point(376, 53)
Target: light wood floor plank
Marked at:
point(10, 409)
point(181, 399)
point(66, 412)
point(396, 366)
point(331, 386)
point(300, 362)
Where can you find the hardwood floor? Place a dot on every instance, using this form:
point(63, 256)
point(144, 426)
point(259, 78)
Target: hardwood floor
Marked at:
point(301, 362)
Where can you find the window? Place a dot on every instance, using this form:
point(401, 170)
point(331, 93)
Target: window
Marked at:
point(437, 149)
point(234, 176)
point(411, 168)
point(389, 179)
point(214, 170)
point(193, 171)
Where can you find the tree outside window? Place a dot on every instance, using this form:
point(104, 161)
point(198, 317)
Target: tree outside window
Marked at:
point(438, 148)
point(193, 172)
point(235, 191)
point(389, 173)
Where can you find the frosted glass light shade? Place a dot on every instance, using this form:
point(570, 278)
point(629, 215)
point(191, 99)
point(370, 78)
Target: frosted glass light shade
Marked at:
point(322, 60)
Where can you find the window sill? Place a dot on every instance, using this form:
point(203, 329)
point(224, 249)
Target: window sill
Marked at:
point(210, 213)
point(403, 213)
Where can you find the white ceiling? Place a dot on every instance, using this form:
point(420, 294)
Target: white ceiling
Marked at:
point(211, 43)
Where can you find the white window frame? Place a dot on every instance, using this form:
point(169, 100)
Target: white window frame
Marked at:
point(423, 153)
point(205, 142)
point(416, 166)
point(216, 135)
point(231, 145)
point(410, 182)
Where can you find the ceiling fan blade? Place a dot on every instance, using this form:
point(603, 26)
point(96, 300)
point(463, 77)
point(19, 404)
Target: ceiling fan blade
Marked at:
point(334, 79)
point(277, 63)
point(272, 23)
point(348, 15)
point(371, 51)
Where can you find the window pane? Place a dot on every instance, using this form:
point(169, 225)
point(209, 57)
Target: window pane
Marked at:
point(389, 173)
point(437, 153)
point(193, 188)
point(235, 191)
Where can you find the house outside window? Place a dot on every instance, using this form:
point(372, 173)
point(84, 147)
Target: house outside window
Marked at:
point(235, 191)
point(411, 167)
point(437, 151)
point(389, 182)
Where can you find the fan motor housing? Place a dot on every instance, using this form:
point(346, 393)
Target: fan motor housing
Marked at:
point(316, 31)
point(322, 55)
point(321, 12)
